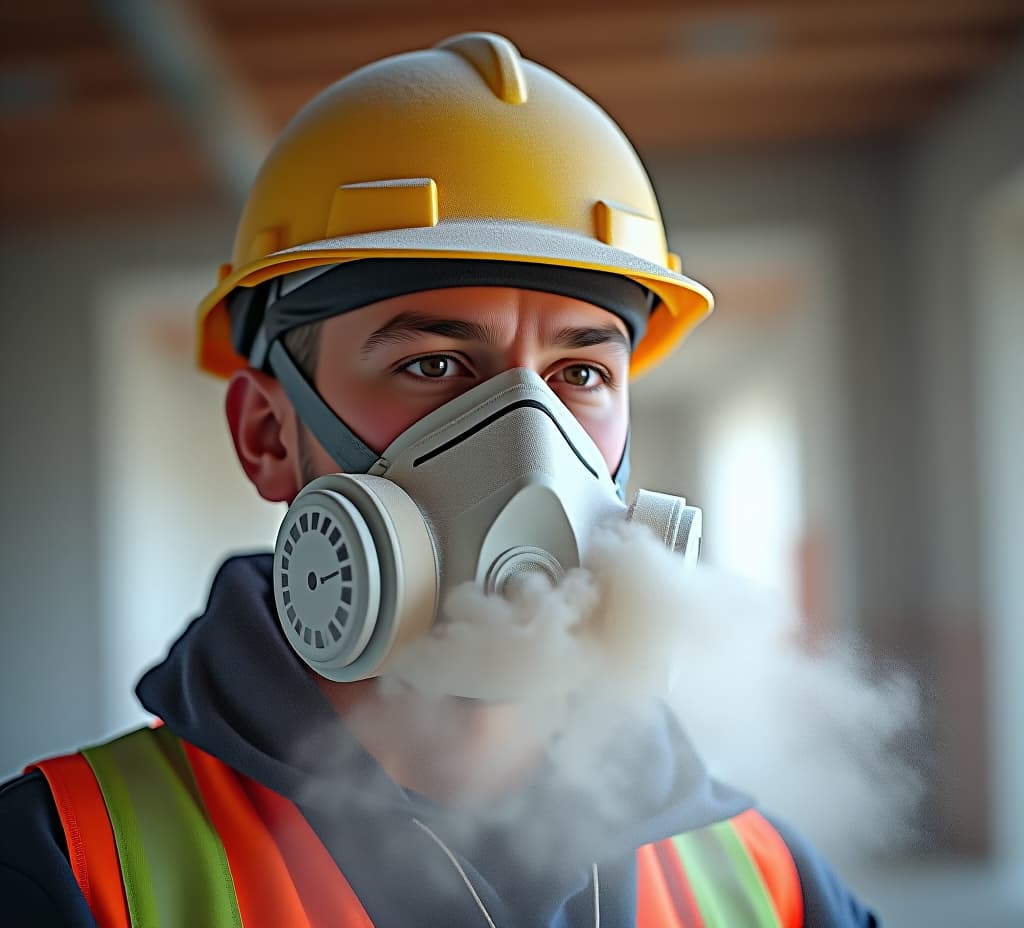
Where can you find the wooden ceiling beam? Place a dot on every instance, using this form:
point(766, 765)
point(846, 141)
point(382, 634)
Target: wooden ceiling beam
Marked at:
point(839, 12)
point(166, 179)
point(164, 184)
point(807, 120)
point(322, 60)
point(605, 29)
point(878, 65)
point(671, 71)
point(685, 118)
point(61, 15)
point(144, 176)
point(29, 31)
point(97, 66)
point(622, 85)
point(83, 75)
point(108, 125)
point(163, 166)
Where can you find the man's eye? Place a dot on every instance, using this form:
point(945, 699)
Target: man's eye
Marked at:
point(433, 367)
point(581, 375)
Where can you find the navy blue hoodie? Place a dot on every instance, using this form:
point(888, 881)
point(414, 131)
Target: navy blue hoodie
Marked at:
point(232, 686)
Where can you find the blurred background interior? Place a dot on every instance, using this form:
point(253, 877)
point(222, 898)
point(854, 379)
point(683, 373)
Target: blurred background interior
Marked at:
point(848, 177)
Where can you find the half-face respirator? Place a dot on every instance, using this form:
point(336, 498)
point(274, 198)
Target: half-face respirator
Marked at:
point(497, 484)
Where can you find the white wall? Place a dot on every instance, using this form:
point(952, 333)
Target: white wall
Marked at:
point(52, 664)
point(998, 357)
point(863, 473)
point(963, 157)
point(173, 498)
point(748, 410)
point(957, 164)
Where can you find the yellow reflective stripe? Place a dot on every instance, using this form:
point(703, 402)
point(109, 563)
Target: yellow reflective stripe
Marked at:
point(173, 864)
point(724, 879)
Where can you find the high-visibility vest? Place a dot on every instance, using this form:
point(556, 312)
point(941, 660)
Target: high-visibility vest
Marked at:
point(160, 833)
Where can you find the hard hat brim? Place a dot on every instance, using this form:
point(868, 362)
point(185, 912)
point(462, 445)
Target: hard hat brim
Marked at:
point(683, 302)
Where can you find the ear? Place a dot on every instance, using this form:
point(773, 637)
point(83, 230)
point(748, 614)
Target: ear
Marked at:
point(264, 430)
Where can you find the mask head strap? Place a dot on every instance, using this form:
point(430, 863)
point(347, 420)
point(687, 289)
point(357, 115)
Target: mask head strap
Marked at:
point(346, 448)
point(261, 315)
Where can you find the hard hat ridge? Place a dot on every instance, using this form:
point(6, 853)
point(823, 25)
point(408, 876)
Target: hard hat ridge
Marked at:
point(497, 61)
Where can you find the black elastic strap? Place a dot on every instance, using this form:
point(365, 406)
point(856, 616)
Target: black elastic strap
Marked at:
point(355, 284)
point(346, 448)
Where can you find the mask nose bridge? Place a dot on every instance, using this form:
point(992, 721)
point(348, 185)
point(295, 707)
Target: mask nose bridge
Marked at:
point(479, 407)
point(506, 410)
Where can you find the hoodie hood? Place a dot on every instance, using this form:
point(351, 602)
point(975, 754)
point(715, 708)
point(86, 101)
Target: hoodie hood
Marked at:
point(233, 687)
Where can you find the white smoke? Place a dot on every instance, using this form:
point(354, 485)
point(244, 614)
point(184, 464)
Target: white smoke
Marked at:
point(812, 735)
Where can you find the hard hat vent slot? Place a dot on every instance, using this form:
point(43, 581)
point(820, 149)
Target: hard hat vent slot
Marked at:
point(631, 231)
point(382, 205)
point(265, 242)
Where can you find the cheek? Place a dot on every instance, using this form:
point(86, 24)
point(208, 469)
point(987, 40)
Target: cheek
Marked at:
point(611, 440)
point(383, 426)
point(608, 431)
point(376, 418)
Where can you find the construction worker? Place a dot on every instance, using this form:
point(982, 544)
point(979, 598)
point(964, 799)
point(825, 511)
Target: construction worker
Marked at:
point(448, 267)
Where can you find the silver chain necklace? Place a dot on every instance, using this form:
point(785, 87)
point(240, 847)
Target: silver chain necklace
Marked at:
point(476, 896)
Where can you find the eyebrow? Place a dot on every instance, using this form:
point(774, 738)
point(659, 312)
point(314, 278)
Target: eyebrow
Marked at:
point(406, 326)
point(591, 336)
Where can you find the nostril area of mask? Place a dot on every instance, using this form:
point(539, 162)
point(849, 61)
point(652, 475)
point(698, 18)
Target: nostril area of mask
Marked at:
point(518, 567)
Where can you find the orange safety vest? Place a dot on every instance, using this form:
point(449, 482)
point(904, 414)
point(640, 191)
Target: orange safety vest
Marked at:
point(162, 833)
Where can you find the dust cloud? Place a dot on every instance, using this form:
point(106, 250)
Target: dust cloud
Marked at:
point(815, 736)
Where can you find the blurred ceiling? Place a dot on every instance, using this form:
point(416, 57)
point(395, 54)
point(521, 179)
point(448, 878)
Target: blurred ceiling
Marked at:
point(130, 107)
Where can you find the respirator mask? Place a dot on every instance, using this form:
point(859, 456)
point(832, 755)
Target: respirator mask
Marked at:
point(498, 484)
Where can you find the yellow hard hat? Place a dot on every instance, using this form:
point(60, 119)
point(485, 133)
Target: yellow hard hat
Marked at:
point(463, 151)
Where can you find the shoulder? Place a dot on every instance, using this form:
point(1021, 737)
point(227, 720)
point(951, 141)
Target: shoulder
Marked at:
point(37, 886)
point(828, 901)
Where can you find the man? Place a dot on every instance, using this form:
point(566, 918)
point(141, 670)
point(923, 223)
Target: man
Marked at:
point(447, 270)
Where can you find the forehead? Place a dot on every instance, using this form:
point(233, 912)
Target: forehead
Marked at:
point(505, 313)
